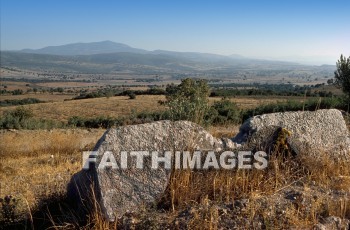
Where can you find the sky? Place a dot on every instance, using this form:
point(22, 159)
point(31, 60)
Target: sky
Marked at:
point(312, 31)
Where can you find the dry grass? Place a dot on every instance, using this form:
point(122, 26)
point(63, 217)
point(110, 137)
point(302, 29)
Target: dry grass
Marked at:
point(37, 164)
point(35, 167)
point(265, 190)
point(41, 96)
point(229, 185)
point(249, 102)
point(15, 85)
point(113, 106)
point(227, 131)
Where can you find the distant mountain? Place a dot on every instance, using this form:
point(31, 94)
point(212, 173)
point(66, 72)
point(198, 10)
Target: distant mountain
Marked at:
point(158, 62)
point(127, 62)
point(110, 57)
point(194, 56)
point(85, 49)
point(115, 49)
point(109, 47)
point(236, 56)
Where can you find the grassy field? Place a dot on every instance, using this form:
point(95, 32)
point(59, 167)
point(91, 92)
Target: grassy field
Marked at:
point(35, 167)
point(47, 161)
point(117, 106)
point(55, 97)
point(114, 106)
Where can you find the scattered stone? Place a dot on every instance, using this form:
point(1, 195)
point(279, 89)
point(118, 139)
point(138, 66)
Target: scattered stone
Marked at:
point(302, 132)
point(333, 222)
point(228, 144)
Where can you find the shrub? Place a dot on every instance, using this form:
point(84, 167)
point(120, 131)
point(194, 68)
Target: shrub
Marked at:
point(24, 101)
point(108, 122)
point(97, 122)
point(22, 118)
point(144, 117)
point(151, 91)
point(188, 100)
point(223, 112)
point(291, 105)
point(76, 121)
point(17, 92)
point(132, 96)
point(15, 119)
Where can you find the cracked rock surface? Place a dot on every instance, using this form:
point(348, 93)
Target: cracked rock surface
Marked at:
point(312, 132)
point(123, 190)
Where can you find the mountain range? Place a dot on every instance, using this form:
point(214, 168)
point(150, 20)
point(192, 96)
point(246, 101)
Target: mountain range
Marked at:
point(108, 47)
point(112, 57)
point(85, 49)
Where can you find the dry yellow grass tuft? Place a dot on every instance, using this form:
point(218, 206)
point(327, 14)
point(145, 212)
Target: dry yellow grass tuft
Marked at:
point(36, 164)
point(294, 192)
point(114, 106)
point(227, 131)
point(306, 179)
point(41, 96)
point(249, 102)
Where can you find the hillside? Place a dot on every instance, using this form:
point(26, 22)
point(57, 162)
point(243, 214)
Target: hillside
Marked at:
point(108, 58)
point(85, 49)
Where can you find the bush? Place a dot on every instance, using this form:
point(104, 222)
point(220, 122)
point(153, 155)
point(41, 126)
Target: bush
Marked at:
point(132, 96)
point(145, 117)
point(76, 121)
point(223, 112)
point(17, 92)
point(151, 91)
point(189, 100)
point(16, 119)
point(97, 122)
point(22, 118)
point(309, 105)
point(109, 122)
point(24, 101)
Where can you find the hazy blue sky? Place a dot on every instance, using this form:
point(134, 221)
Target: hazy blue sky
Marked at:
point(277, 29)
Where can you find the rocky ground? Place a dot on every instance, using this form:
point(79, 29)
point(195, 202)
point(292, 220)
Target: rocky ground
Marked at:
point(291, 194)
point(297, 206)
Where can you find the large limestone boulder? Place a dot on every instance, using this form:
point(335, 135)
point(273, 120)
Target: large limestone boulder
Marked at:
point(117, 191)
point(305, 132)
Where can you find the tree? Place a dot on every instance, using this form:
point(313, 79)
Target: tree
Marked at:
point(188, 100)
point(60, 90)
point(342, 75)
point(224, 112)
point(132, 95)
point(330, 81)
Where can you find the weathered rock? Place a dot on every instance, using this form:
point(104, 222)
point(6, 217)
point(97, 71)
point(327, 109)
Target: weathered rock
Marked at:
point(333, 222)
point(310, 132)
point(271, 139)
point(120, 190)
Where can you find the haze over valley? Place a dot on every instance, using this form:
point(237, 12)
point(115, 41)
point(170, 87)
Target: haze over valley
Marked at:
point(109, 60)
